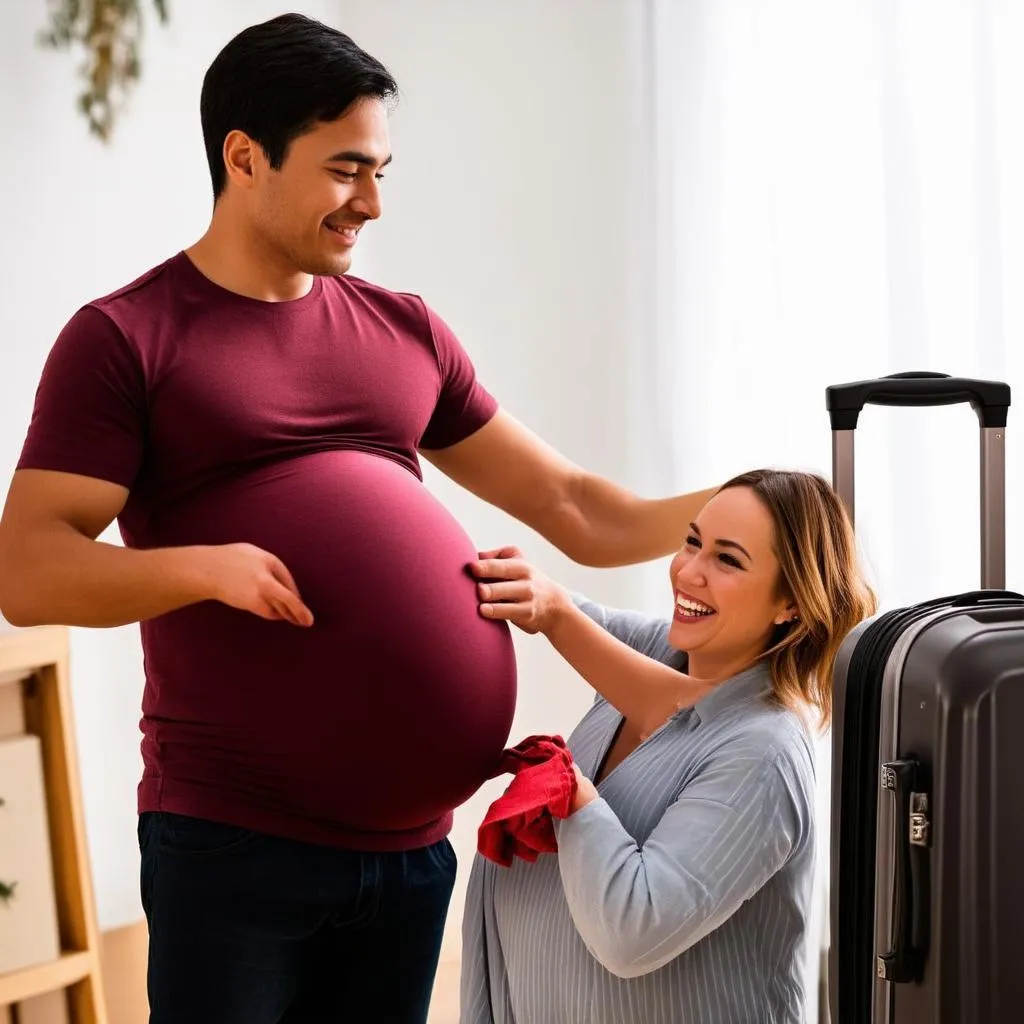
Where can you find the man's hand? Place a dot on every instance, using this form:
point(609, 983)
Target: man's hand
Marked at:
point(54, 569)
point(252, 580)
point(512, 589)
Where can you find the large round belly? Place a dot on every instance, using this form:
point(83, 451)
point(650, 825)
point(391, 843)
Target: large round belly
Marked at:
point(395, 706)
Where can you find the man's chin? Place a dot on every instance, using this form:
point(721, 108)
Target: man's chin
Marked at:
point(330, 266)
point(336, 263)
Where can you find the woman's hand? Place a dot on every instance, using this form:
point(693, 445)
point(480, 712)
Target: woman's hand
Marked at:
point(510, 588)
point(586, 791)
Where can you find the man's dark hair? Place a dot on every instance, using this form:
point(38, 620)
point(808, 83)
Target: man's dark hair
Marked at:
point(276, 80)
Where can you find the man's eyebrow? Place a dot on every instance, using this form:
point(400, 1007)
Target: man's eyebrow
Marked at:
point(354, 156)
point(724, 543)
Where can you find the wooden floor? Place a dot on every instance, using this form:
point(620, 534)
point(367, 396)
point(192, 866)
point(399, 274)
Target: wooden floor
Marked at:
point(124, 961)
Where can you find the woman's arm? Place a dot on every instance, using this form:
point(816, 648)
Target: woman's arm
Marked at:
point(637, 908)
point(645, 633)
point(643, 690)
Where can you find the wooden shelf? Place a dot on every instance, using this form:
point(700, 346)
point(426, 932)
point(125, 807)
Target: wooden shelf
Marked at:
point(38, 659)
point(30, 982)
point(22, 651)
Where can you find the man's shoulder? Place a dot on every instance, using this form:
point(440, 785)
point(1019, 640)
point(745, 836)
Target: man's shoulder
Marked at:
point(348, 286)
point(142, 288)
point(112, 318)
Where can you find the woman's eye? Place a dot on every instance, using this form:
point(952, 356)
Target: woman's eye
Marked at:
point(692, 542)
point(731, 561)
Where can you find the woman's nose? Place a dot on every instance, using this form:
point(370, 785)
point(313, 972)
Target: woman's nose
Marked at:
point(691, 573)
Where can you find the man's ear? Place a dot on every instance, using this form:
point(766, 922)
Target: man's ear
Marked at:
point(239, 158)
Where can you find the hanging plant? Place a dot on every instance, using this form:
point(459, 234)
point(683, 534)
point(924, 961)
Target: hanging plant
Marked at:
point(110, 32)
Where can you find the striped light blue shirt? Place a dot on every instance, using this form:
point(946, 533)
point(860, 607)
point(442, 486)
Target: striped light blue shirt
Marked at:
point(682, 895)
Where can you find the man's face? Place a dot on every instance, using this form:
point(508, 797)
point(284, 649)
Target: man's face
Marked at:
point(309, 213)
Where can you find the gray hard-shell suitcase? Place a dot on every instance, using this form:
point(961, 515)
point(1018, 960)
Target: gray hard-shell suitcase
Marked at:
point(927, 863)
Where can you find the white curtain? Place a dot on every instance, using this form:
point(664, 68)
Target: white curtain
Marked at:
point(840, 195)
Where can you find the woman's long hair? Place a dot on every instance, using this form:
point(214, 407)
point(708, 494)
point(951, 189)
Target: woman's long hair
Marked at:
point(820, 573)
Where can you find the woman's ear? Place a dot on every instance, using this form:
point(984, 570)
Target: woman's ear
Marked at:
point(790, 613)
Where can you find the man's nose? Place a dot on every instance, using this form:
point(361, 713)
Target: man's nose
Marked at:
point(367, 202)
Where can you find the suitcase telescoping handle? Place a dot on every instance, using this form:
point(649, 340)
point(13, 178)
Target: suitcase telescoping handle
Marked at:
point(989, 399)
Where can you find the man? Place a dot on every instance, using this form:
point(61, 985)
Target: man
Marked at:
point(251, 417)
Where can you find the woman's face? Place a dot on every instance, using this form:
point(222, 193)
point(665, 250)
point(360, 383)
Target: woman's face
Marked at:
point(726, 585)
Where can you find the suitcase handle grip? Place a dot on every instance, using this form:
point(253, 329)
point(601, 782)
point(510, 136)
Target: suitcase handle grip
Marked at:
point(903, 961)
point(989, 399)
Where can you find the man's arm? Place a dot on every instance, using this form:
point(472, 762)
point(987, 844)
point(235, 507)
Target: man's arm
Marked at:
point(590, 519)
point(53, 570)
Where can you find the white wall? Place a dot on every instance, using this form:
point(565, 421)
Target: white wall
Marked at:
point(518, 205)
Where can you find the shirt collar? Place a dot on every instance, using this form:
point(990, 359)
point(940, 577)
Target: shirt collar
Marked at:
point(751, 683)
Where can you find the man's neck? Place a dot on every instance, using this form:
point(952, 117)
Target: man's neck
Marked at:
point(238, 262)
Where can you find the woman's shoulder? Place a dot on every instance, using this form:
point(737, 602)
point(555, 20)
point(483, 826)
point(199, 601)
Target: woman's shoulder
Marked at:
point(763, 741)
point(754, 725)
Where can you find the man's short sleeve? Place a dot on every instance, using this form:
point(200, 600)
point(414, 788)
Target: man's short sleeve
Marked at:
point(89, 416)
point(463, 405)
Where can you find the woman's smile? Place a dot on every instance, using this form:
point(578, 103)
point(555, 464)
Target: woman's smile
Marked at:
point(690, 610)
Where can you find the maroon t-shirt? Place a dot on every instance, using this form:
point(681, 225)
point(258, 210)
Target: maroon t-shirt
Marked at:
point(293, 426)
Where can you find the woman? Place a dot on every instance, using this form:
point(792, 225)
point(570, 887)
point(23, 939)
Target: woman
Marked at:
point(681, 887)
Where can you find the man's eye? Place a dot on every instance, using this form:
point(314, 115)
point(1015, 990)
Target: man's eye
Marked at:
point(347, 175)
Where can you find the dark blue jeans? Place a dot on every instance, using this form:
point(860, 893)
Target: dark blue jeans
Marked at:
point(246, 928)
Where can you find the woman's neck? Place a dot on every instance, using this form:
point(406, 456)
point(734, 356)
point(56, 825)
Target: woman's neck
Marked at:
point(721, 666)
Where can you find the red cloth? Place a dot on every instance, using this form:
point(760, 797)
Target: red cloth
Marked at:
point(521, 822)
